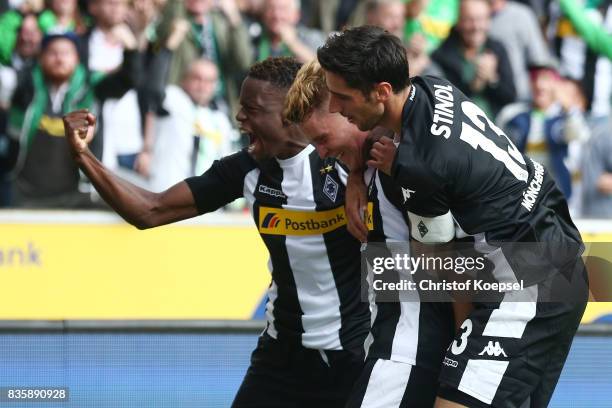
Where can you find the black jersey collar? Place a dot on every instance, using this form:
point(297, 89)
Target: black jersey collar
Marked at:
point(409, 102)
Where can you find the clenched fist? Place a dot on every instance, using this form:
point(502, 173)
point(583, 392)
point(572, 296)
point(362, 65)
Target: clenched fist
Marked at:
point(79, 127)
point(382, 155)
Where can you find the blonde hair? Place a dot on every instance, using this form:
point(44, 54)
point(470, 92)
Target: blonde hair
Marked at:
point(306, 94)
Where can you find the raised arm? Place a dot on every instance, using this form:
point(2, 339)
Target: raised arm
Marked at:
point(137, 206)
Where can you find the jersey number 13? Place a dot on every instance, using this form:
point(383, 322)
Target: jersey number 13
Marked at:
point(474, 135)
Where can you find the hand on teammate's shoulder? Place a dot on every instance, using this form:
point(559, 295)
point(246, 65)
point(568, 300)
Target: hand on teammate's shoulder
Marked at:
point(382, 154)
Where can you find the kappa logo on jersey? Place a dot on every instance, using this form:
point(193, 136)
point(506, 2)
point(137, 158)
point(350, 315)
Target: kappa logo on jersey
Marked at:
point(450, 363)
point(422, 229)
point(270, 221)
point(330, 188)
point(406, 192)
point(271, 191)
point(280, 221)
point(493, 349)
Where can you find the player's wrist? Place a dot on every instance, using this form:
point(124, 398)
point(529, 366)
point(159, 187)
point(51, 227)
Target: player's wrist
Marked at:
point(357, 170)
point(80, 156)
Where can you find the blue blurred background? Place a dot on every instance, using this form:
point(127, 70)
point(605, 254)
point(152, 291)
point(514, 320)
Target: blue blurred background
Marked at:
point(114, 369)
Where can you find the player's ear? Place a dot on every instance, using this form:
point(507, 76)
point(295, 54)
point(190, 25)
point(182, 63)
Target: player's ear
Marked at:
point(383, 91)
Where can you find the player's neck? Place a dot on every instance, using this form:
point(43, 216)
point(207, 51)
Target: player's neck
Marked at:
point(392, 118)
point(294, 144)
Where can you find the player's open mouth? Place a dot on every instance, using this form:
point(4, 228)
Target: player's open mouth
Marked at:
point(253, 140)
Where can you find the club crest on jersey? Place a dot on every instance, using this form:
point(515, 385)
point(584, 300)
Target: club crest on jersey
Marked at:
point(406, 192)
point(330, 188)
point(422, 229)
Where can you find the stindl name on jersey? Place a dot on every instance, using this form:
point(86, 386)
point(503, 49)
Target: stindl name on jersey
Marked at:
point(443, 111)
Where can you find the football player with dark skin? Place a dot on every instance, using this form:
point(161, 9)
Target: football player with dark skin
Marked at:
point(292, 359)
point(259, 118)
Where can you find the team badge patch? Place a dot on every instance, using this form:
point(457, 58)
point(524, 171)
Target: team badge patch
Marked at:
point(422, 229)
point(330, 188)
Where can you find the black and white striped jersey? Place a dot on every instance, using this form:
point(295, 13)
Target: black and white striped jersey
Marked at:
point(298, 207)
point(411, 332)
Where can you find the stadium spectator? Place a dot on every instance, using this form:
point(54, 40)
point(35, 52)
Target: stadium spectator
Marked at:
point(387, 14)
point(62, 15)
point(545, 129)
point(218, 34)
point(45, 173)
point(221, 32)
point(597, 36)
point(189, 134)
point(516, 27)
point(320, 14)
point(473, 62)
point(430, 19)
point(252, 11)
point(334, 15)
point(250, 7)
point(573, 100)
point(283, 35)
point(24, 6)
point(597, 173)
point(577, 60)
point(144, 16)
point(23, 58)
point(28, 43)
point(539, 7)
point(103, 52)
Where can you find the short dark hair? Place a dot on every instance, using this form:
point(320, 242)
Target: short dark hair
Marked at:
point(364, 56)
point(68, 35)
point(279, 71)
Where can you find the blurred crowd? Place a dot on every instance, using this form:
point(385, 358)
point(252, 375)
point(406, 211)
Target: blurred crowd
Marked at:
point(163, 77)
